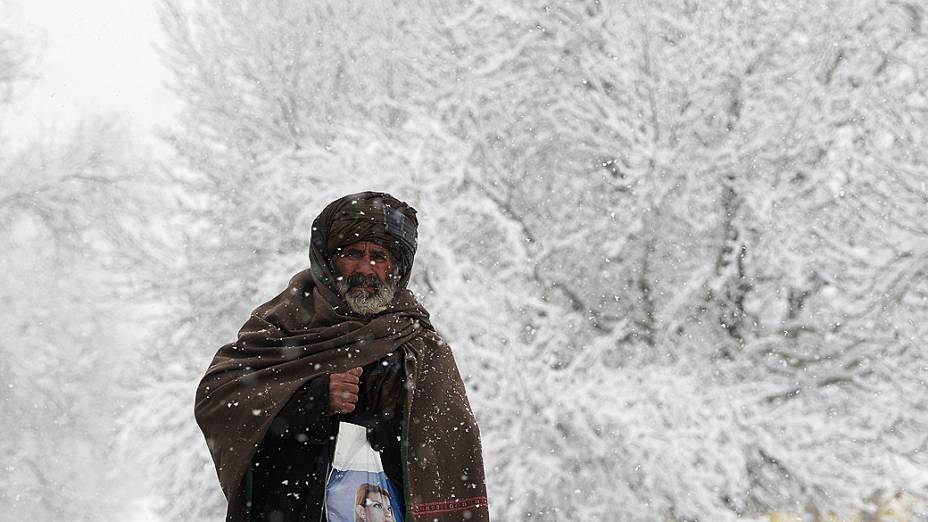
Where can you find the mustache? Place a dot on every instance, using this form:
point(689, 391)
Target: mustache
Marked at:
point(362, 280)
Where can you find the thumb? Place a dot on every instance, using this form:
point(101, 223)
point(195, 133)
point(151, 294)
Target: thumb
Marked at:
point(356, 371)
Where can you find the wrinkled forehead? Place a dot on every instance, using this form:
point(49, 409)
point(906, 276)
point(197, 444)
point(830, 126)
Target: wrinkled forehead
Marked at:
point(365, 246)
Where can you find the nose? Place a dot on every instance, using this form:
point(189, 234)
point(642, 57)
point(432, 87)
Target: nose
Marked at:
point(366, 267)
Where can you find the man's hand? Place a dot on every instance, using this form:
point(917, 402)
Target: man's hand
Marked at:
point(343, 391)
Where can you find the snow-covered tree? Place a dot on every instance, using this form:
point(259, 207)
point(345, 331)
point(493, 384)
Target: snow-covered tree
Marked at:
point(75, 210)
point(677, 248)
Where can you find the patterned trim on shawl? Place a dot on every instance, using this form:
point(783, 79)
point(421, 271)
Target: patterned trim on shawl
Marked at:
point(444, 507)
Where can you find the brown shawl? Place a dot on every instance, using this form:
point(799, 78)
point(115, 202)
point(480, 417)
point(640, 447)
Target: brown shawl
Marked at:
point(300, 334)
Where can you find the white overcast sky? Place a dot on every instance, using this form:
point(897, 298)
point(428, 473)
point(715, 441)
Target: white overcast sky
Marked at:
point(98, 56)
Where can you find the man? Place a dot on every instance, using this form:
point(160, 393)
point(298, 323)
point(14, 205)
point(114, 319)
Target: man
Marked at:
point(346, 341)
point(372, 504)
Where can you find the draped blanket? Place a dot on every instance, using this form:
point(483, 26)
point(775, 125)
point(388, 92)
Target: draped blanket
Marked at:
point(302, 333)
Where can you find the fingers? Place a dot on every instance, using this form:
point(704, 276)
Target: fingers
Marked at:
point(343, 391)
point(353, 376)
point(344, 407)
point(343, 404)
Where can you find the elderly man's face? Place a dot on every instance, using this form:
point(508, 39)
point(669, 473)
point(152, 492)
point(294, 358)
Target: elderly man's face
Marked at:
point(366, 276)
point(366, 259)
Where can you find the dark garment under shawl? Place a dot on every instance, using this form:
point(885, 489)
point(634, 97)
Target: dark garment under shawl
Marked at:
point(288, 470)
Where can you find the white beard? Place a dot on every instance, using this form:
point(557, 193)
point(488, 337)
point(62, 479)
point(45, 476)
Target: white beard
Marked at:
point(363, 304)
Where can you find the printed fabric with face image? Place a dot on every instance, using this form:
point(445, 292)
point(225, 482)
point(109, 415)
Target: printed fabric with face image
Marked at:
point(373, 504)
point(357, 489)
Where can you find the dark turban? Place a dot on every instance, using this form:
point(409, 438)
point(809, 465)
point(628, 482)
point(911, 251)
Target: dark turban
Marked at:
point(367, 216)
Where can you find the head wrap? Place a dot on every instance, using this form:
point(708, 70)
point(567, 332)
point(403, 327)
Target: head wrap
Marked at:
point(366, 216)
